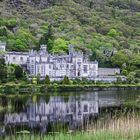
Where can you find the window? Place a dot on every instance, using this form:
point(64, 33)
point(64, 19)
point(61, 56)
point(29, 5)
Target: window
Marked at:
point(79, 112)
point(32, 61)
point(49, 73)
point(79, 104)
point(14, 59)
point(79, 60)
point(62, 66)
point(38, 69)
point(67, 109)
point(85, 108)
point(67, 66)
point(49, 66)
point(21, 58)
point(42, 69)
point(32, 69)
point(79, 63)
point(85, 67)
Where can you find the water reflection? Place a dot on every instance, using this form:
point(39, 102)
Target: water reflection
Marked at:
point(56, 110)
point(74, 110)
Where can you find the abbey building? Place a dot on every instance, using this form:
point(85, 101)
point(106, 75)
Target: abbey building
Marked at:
point(73, 65)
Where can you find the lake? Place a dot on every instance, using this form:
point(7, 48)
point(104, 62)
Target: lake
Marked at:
point(69, 110)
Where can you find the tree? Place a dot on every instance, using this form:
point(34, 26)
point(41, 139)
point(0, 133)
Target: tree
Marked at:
point(137, 73)
point(3, 70)
point(48, 38)
point(124, 72)
point(60, 46)
point(3, 31)
point(38, 78)
point(18, 72)
point(136, 61)
point(47, 80)
point(10, 72)
point(113, 33)
point(119, 80)
point(130, 77)
point(119, 59)
point(66, 80)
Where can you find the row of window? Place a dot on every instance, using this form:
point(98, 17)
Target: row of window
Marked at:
point(14, 58)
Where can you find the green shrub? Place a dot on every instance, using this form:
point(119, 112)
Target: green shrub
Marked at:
point(55, 84)
point(137, 73)
point(18, 72)
point(137, 80)
point(119, 80)
point(34, 80)
point(124, 72)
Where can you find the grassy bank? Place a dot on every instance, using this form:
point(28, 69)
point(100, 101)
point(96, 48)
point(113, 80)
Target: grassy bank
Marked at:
point(101, 135)
point(31, 88)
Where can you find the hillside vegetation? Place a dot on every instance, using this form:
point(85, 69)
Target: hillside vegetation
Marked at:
point(109, 30)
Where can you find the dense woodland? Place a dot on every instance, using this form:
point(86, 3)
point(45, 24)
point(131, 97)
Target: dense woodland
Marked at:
point(108, 30)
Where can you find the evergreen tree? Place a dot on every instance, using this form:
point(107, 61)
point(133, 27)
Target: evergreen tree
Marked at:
point(38, 78)
point(66, 80)
point(18, 72)
point(47, 80)
point(48, 38)
point(3, 70)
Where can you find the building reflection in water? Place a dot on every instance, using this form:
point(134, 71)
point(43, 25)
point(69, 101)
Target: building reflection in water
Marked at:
point(74, 111)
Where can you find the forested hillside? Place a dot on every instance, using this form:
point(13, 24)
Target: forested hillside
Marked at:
point(109, 30)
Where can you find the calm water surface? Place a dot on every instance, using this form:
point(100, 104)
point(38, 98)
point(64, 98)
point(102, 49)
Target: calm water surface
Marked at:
point(71, 109)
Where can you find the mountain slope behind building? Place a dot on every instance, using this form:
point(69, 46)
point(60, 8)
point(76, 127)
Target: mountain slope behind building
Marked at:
point(109, 29)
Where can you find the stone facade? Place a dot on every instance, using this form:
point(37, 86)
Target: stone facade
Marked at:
point(18, 58)
point(108, 71)
point(42, 63)
point(72, 64)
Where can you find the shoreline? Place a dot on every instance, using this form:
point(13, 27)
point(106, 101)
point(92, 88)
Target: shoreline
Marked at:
point(32, 88)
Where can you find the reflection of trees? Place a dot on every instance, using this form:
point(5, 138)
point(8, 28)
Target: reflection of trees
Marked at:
point(4, 101)
point(18, 103)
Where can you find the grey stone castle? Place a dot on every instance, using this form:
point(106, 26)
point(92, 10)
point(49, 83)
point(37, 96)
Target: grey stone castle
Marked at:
point(73, 65)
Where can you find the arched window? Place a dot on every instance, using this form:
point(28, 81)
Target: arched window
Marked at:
point(14, 58)
point(21, 58)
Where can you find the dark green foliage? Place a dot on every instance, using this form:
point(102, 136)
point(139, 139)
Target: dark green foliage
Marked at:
point(2, 62)
point(3, 71)
point(130, 77)
point(119, 59)
point(66, 80)
point(137, 73)
point(18, 72)
point(124, 72)
point(137, 80)
point(119, 80)
point(47, 80)
point(3, 31)
point(47, 38)
point(38, 79)
point(108, 28)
